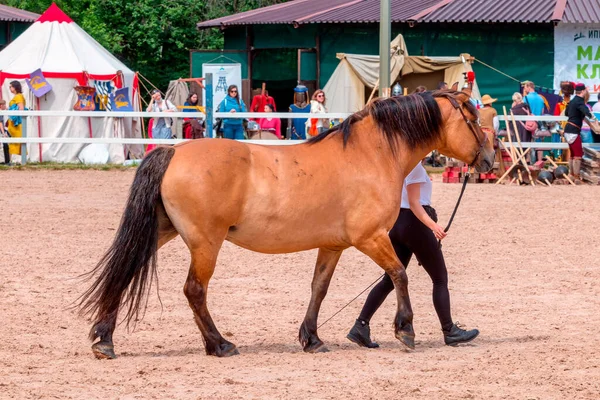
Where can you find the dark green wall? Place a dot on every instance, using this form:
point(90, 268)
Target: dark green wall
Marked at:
point(197, 58)
point(15, 29)
point(524, 51)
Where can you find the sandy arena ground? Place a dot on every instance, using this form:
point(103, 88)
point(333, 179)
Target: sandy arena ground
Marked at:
point(524, 268)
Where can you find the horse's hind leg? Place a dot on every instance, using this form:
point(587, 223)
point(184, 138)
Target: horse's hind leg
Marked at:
point(203, 265)
point(326, 263)
point(105, 349)
point(380, 249)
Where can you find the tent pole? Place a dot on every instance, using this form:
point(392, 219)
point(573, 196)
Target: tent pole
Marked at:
point(384, 48)
point(141, 109)
point(39, 130)
point(376, 87)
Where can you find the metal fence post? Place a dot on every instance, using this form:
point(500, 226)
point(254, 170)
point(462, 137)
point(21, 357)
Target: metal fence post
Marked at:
point(208, 81)
point(24, 145)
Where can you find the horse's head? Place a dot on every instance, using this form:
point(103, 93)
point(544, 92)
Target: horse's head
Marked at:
point(462, 136)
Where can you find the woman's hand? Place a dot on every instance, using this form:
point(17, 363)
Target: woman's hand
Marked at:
point(232, 110)
point(438, 231)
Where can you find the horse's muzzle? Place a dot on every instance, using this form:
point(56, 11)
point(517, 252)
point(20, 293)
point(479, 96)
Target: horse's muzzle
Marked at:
point(486, 162)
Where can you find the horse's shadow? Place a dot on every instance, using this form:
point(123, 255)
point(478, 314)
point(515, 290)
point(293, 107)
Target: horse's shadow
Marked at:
point(333, 347)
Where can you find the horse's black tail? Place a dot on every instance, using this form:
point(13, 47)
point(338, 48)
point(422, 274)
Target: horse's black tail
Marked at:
point(126, 266)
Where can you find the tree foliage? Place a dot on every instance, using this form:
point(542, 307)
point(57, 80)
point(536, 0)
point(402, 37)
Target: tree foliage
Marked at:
point(150, 36)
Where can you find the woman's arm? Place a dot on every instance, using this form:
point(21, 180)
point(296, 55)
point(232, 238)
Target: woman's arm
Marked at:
point(414, 193)
point(314, 107)
point(170, 106)
point(326, 121)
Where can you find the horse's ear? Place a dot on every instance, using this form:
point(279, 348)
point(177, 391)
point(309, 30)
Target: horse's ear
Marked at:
point(455, 86)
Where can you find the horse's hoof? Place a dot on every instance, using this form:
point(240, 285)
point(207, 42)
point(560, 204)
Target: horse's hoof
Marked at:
point(227, 350)
point(407, 339)
point(316, 347)
point(104, 351)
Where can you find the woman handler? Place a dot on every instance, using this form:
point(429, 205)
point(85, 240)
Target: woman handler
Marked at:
point(415, 232)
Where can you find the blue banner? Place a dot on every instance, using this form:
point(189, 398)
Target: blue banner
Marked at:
point(120, 100)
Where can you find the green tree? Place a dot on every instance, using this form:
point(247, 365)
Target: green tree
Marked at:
point(150, 36)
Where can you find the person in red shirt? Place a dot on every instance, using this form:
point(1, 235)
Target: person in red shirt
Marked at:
point(260, 101)
point(270, 124)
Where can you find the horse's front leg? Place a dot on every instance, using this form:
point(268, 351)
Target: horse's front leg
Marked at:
point(380, 249)
point(326, 263)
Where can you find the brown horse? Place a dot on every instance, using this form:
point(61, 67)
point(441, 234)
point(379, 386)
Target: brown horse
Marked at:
point(340, 189)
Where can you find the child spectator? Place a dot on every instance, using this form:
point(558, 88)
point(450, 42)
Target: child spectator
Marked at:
point(270, 124)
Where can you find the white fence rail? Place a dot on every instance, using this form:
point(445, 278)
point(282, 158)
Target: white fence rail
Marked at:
point(101, 114)
point(35, 140)
point(283, 115)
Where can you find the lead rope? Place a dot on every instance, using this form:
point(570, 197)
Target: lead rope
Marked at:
point(347, 304)
point(462, 191)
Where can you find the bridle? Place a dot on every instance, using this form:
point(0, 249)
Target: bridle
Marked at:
point(471, 126)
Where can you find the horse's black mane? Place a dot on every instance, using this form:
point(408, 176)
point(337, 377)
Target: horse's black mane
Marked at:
point(416, 119)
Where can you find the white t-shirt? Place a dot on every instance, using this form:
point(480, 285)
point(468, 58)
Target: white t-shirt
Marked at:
point(417, 176)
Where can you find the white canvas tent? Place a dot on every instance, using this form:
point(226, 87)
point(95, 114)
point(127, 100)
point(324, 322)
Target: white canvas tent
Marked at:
point(68, 57)
point(346, 89)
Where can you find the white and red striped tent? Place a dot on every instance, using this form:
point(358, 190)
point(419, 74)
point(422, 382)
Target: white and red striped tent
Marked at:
point(68, 57)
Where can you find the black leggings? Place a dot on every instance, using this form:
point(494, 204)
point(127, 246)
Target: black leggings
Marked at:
point(409, 236)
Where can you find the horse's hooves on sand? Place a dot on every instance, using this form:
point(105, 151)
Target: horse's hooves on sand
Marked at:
point(104, 351)
point(317, 347)
point(227, 350)
point(406, 339)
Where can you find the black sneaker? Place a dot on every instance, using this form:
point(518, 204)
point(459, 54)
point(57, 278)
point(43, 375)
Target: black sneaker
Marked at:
point(457, 335)
point(361, 335)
